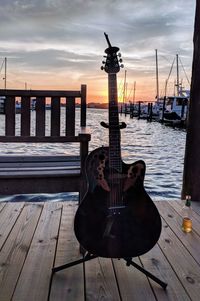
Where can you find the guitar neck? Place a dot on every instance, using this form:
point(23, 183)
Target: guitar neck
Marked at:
point(114, 131)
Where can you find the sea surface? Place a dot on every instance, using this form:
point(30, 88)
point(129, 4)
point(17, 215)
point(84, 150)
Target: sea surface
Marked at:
point(161, 147)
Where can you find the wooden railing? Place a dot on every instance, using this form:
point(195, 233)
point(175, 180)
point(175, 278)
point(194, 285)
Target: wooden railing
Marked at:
point(56, 100)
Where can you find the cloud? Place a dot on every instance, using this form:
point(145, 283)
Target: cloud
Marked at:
point(59, 35)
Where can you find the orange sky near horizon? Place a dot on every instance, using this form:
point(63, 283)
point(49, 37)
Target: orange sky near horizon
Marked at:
point(97, 84)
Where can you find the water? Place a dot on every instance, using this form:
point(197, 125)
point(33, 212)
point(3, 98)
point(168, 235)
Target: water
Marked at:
point(161, 147)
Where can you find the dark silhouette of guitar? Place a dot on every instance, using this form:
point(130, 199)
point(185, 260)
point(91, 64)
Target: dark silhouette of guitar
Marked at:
point(116, 218)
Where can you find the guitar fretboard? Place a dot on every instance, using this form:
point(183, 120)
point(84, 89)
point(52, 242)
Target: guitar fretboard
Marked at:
point(114, 131)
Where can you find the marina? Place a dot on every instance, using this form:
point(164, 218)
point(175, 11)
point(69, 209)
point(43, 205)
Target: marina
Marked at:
point(99, 201)
point(35, 237)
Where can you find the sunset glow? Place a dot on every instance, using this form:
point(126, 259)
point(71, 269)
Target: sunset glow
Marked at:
point(60, 44)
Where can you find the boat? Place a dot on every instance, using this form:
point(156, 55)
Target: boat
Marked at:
point(2, 104)
point(175, 110)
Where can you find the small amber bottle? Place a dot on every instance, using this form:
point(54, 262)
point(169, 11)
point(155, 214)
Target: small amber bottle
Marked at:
point(187, 215)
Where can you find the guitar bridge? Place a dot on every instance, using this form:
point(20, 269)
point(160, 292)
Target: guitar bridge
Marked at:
point(116, 209)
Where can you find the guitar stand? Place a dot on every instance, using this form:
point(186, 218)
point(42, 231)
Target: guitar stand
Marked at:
point(129, 262)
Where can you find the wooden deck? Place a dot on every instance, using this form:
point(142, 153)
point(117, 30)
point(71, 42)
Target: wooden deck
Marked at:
point(34, 237)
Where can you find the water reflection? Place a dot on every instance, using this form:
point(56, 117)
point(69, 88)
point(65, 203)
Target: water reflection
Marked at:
point(161, 147)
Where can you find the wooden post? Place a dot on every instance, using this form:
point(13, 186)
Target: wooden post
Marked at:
point(25, 116)
point(40, 116)
point(70, 116)
point(191, 174)
point(139, 109)
point(83, 105)
point(55, 116)
point(10, 116)
point(163, 109)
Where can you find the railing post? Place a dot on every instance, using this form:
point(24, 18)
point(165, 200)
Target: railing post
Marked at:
point(83, 104)
point(40, 116)
point(10, 116)
point(55, 116)
point(70, 116)
point(25, 116)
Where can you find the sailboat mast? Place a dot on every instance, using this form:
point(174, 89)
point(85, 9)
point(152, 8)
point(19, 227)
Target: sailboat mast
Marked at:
point(124, 92)
point(5, 76)
point(177, 70)
point(157, 82)
point(134, 91)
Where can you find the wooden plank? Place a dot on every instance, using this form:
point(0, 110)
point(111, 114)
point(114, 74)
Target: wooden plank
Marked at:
point(178, 205)
point(69, 283)
point(191, 241)
point(35, 277)
point(55, 116)
point(47, 139)
point(83, 105)
point(14, 252)
point(40, 116)
point(196, 207)
point(184, 265)
point(41, 168)
point(8, 217)
point(42, 164)
point(2, 204)
point(133, 284)
point(156, 263)
point(100, 280)
point(35, 159)
point(70, 116)
point(40, 93)
point(25, 116)
point(10, 116)
point(40, 173)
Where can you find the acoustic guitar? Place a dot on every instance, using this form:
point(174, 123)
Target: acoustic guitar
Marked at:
point(116, 218)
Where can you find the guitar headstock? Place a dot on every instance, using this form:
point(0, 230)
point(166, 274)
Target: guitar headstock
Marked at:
point(113, 58)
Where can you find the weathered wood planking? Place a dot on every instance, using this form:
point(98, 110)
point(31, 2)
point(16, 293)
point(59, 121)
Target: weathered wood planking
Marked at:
point(36, 273)
point(100, 280)
point(156, 263)
point(184, 265)
point(8, 217)
point(190, 240)
point(69, 283)
point(35, 237)
point(16, 248)
point(133, 284)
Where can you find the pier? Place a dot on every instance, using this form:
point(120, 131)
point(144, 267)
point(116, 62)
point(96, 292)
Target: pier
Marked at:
point(35, 237)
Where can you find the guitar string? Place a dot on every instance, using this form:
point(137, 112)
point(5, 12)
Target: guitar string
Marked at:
point(115, 160)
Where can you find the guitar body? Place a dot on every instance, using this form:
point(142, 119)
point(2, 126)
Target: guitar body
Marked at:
point(116, 218)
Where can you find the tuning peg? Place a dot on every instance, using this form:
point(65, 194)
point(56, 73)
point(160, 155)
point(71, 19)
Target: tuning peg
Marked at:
point(102, 68)
point(119, 54)
point(122, 66)
point(103, 62)
point(120, 60)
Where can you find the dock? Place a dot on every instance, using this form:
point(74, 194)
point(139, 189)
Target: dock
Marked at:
point(35, 237)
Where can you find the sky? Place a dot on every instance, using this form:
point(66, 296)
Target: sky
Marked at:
point(59, 44)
